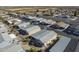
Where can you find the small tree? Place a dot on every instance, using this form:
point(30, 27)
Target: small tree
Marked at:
point(33, 50)
point(26, 39)
point(75, 13)
point(1, 18)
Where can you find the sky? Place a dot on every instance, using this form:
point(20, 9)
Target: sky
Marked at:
point(39, 2)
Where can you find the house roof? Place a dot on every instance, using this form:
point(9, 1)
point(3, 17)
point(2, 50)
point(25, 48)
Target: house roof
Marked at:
point(24, 24)
point(32, 28)
point(65, 17)
point(15, 20)
point(61, 44)
point(2, 28)
point(1, 39)
point(5, 40)
point(14, 48)
point(44, 35)
point(6, 44)
point(62, 24)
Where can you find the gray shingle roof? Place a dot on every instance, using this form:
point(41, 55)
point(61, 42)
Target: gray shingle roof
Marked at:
point(24, 24)
point(32, 28)
point(5, 40)
point(61, 44)
point(1, 38)
point(44, 35)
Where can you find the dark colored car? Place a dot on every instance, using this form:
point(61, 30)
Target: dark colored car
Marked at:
point(22, 32)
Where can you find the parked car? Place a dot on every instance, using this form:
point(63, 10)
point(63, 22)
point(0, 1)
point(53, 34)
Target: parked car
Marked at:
point(22, 32)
